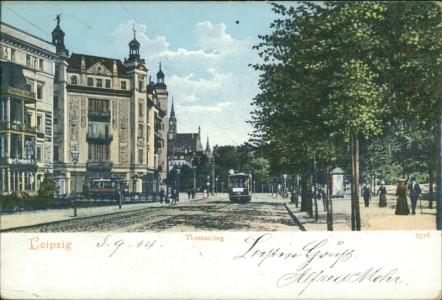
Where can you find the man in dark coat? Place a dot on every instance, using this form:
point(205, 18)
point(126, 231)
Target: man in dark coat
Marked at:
point(414, 190)
point(366, 193)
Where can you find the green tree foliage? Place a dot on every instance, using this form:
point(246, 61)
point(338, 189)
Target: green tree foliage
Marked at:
point(47, 191)
point(340, 76)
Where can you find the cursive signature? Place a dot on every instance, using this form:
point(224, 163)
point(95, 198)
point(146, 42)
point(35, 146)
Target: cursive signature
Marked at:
point(309, 276)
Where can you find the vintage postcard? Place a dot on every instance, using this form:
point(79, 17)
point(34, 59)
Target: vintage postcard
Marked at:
point(220, 150)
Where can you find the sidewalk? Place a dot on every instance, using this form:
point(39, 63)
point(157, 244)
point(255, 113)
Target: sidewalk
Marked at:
point(372, 217)
point(29, 218)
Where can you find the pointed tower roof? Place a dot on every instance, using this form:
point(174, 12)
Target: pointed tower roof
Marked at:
point(160, 74)
point(172, 111)
point(207, 146)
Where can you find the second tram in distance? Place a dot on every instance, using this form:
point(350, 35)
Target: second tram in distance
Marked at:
point(240, 187)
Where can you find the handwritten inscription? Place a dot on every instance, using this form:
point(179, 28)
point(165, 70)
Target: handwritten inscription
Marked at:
point(116, 244)
point(318, 261)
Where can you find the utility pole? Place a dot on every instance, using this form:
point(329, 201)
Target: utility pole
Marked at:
point(213, 175)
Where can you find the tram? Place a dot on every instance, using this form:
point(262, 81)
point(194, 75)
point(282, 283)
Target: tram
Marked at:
point(240, 187)
point(104, 188)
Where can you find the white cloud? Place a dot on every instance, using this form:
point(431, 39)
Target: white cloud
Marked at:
point(213, 80)
point(203, 108)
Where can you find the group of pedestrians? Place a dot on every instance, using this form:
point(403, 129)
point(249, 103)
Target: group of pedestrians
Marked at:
point(401, 193)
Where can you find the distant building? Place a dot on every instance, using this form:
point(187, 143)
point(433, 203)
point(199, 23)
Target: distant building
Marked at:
point(182, 148)
point(26, 110)
point(106, 110)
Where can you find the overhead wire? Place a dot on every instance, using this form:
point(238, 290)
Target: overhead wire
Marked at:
point(27, 21)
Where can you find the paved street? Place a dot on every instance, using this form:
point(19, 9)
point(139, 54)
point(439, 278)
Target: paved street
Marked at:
point(263, 213)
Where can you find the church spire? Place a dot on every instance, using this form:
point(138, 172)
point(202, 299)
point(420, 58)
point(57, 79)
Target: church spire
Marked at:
point(172, 111)
point(207, 146)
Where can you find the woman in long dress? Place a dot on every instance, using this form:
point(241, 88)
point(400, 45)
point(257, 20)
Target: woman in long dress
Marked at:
point(382, 192)
point(401, 193)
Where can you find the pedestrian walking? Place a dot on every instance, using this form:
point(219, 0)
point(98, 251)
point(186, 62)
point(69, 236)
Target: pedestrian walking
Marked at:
point(193, 193)
point(161, 196)
point(206, 194)
point(382, 193)
point(174, 197)
point(401, 203)
point(366, 193)
point(189, 192)
point(414, 190)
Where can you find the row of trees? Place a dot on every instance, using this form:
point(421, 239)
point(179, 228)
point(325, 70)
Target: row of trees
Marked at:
point(238, 158)
point(355, 84)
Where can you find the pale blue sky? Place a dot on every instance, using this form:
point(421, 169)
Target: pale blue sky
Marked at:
point(204, 53)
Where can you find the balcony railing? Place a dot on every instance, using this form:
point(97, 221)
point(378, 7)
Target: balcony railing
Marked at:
point(18, 126)
point(103, 116)
point(98, 138)
point(99, 166)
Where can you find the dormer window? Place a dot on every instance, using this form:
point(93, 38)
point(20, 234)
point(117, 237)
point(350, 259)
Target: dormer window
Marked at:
point(74, 79)
point(90, 81)
point(100, 83)
point(123, 85)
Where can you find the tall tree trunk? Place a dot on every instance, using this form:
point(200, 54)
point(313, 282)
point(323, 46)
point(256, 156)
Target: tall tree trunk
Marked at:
point(430, 167)
point(329, 201)
point(304, 204)
point(439, 183)
point(355, 212)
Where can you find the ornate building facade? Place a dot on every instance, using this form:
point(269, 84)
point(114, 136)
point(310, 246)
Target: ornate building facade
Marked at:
point(105, 110)
point(26, 110)
point(53, 103)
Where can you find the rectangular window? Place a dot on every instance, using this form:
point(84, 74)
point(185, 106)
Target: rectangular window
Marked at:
point(28, 60)
point(41, 64)
point(100, 83)
point(98, 105)
point(56, 157)
point(108, 83)
point(55, 121)
point(3, 146)
point(140, 130)
point(39, 123)
point(140, 156)
point(90, 81)
point(140, 85)
point(140, 109)
point(123, 85)
point(39, 91)
point(39, 153)
point(74, 79)
point(55, 102)
point(13, 55)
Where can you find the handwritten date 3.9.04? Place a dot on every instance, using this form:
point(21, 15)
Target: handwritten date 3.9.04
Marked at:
point(116, 244)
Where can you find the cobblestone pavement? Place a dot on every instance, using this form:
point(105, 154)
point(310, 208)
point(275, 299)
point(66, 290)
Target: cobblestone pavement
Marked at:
point(216, 213)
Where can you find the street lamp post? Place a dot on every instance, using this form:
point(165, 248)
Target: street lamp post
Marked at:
point(74, 156)
point(194, 178)
point(178, 171)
